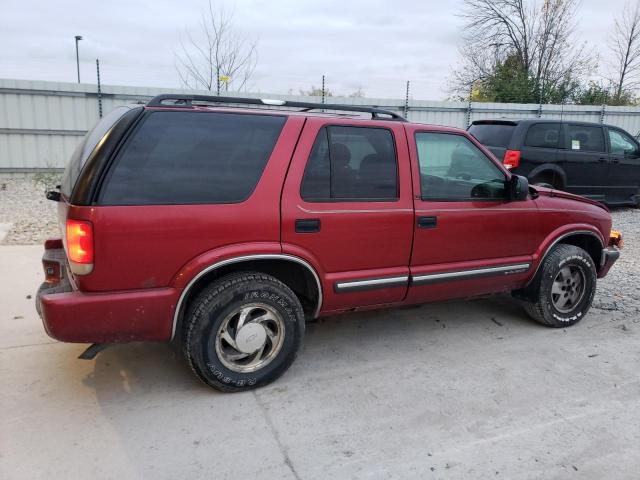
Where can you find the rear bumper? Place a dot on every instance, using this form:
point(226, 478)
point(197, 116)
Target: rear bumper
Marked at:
point(70, 315)
point(73, 316)
point(609, 256)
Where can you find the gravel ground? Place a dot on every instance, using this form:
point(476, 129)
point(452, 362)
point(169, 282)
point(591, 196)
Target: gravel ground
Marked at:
point(30, 218)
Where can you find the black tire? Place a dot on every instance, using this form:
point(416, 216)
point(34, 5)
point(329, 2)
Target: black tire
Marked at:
point(544, 304)
point(205, 346)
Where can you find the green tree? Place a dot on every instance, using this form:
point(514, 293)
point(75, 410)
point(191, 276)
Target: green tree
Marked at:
point(522, 50)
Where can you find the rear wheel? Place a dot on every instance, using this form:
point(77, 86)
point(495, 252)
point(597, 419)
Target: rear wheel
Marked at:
point(243, 331)
point(563, 289)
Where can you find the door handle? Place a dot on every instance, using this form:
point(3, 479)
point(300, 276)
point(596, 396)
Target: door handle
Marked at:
point(308, 225)
point(615, 160)
point(427, 222)
point(603, 159)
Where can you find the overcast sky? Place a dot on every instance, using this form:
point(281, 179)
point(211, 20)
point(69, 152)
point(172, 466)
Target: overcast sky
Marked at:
point(373, 44)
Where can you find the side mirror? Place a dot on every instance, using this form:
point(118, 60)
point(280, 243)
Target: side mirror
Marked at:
point(518, 187)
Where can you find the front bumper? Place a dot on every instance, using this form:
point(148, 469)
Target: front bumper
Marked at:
point(70, 315)
point(609, 257)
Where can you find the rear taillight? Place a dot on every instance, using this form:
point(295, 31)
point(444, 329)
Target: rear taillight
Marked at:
point(511, 159)
point(80, 246)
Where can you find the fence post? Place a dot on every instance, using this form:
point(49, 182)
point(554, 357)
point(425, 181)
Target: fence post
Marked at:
point(322, 88)
point(539, 102)
point(602, 113)
point(406, 100)
point(99, 89)
point(469, 107)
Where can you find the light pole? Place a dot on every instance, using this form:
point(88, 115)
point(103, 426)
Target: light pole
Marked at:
point(78, 38)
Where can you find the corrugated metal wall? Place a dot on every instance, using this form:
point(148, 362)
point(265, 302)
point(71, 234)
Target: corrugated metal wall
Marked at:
point(41, 122)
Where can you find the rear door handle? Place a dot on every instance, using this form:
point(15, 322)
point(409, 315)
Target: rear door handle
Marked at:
point(603, 159)
point(427, 222)
point(308, 225)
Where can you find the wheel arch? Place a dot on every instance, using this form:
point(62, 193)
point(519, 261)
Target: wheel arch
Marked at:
point(588, 240)
point(551, 169)
point(295, 272)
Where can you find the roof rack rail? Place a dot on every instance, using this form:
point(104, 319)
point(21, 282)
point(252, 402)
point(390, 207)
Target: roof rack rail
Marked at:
point(178, 100)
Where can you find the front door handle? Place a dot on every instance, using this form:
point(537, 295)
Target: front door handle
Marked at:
point(308, 225)
point(603, 159)
point(427, 222)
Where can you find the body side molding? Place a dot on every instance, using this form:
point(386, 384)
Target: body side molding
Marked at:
point(471, 273)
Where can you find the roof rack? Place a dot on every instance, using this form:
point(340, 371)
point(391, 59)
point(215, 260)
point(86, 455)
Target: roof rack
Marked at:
point(177, 100)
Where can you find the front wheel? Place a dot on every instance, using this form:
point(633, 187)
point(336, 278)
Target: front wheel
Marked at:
point(563, 289)
point(243, 331)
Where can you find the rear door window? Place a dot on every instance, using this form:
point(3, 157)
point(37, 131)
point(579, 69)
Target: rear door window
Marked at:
point(543, 135)
point(192, 158)
point(493, 134)
point(584, 138)
point(351, 163)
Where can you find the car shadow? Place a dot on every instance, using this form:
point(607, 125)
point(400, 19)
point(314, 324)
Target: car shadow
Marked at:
point(126, 370)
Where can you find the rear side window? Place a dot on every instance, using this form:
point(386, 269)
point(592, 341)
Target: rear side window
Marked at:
point(543, 135)
point(584, 137)
point(190, 158)
point(84, 149)
point(493, 134)
point(351, 163)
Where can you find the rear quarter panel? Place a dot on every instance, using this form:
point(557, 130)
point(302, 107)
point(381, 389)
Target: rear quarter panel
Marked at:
point(139, 247)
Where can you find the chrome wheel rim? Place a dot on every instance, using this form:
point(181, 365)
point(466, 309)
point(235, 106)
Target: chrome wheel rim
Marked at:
point(249, 338)
point(568, 288)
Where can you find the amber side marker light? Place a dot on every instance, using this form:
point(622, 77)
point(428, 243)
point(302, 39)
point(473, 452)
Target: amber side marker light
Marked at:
point(615, 239)
point(80, 246)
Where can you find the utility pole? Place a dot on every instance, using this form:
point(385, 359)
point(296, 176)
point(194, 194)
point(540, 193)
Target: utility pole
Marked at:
point(322, 88)
point(78, 38)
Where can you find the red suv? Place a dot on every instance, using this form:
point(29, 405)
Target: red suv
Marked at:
point(224, 223)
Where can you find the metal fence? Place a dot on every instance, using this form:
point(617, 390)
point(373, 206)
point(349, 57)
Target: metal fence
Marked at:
point(41, 122)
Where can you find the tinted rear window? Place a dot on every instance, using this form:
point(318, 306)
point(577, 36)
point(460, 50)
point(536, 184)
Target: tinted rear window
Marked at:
point(492, 134)
point(351, 163)
point(543, 135)
point(585, 138)
point(189, 158)
point(85, 148)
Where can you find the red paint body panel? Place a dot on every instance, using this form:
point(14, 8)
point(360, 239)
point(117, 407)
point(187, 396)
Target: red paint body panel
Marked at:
point(147, 246)
point(356, 239)
point(146, 256)
point(109, 317)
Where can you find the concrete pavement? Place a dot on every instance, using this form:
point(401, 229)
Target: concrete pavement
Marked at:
point(456, 390)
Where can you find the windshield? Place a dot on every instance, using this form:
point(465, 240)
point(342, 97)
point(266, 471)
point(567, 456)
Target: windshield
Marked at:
point(492, 134)
point(86, 146)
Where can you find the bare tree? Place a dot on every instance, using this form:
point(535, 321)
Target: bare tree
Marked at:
point(216, 57)
point(534, 35)
point(625, 45)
